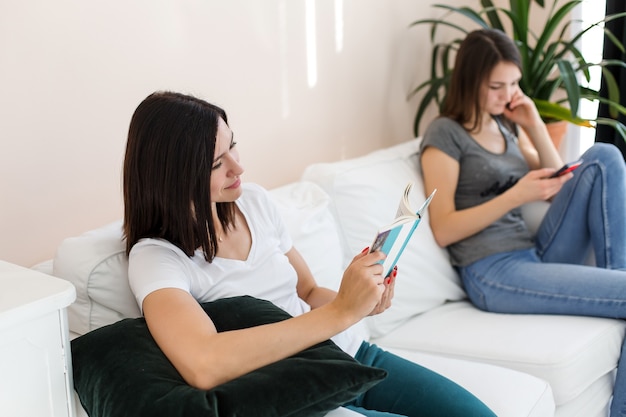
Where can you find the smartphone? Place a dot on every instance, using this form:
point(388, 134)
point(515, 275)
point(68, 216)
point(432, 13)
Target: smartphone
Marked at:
point(566, 168)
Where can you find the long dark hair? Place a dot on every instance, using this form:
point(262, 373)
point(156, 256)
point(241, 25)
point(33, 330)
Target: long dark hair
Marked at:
point(478, 54)
point(167, 173)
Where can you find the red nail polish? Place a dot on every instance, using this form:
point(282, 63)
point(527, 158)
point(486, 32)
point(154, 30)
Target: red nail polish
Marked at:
point(366, 249)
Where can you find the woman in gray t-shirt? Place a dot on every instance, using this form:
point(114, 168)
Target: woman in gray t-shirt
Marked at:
point(490, 153)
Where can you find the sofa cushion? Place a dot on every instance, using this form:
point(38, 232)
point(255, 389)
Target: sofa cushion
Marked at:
point(570, 352)
point(364, 194)
point(119, 370)
point(505, 391)
point(305, 209)
point(96, 263)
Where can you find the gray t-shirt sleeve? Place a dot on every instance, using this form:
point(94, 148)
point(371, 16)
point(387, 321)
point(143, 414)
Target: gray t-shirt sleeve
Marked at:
point(445, 135)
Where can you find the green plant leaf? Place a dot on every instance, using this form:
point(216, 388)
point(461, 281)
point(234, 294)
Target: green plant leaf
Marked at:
point(552, 111)
point(610, 34)
point(619, 127)
point(492, 14)
point(463, 11)
point(552, 23)
point(571, 84)
point(431, 95)
point(612, 92)
point(620, 109)
point(434, 22)
point(520, 11)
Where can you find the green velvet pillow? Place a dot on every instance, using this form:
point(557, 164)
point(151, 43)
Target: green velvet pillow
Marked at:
point(120, 371)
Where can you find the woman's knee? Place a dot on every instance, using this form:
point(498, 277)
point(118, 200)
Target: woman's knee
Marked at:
point(604, 153)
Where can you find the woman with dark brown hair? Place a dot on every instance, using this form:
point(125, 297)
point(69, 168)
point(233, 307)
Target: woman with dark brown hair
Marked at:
point(489, 154)
point(196, 233)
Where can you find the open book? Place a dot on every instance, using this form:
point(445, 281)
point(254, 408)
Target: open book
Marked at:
point(392, 239)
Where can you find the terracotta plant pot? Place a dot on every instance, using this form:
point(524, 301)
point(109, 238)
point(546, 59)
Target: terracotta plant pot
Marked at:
point(557, 131)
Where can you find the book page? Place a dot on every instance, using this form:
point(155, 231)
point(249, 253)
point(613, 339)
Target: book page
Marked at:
point(393, 238)
point(404, 208)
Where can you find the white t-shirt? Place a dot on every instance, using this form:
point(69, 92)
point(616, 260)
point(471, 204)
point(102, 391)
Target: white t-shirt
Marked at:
point(266, 273)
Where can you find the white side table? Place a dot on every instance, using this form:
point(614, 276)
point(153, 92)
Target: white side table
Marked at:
point(35, 358)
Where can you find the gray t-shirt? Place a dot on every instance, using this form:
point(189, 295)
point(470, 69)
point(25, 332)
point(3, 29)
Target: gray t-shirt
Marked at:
point(482, 176)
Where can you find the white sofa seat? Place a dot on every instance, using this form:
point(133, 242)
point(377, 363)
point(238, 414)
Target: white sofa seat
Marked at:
point(570, 353)
point(508, 393)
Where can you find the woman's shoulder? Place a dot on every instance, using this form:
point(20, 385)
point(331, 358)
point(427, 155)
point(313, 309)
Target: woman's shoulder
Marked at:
point(157, 248)
point(443, 124)
point(153, 257)
point(445, 134)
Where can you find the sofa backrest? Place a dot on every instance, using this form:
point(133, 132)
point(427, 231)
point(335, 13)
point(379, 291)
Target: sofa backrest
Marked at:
point(364, 195)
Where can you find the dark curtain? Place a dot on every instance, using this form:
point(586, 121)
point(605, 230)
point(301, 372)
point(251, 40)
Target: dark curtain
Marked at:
point(618, 28)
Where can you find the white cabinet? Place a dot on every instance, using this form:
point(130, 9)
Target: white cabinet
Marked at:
point(35, 359)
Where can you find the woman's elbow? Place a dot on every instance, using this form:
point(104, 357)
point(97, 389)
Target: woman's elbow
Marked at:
point(203, 381)
point(203, 376)
point(441, 237)
point(441, 242)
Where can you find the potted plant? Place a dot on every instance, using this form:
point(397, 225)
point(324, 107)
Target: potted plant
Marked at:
point(552, 64)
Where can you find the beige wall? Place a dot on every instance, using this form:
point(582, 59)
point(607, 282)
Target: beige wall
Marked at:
point(72, 72)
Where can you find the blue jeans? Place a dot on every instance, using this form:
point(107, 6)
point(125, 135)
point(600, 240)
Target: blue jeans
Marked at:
point(412, 390)
point(588, 214)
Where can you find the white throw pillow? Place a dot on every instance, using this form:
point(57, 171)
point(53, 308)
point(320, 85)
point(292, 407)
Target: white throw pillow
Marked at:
point(364, 194)
point(96, 263)
point(305, 209)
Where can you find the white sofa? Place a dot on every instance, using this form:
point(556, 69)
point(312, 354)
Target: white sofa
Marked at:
point(520, 365)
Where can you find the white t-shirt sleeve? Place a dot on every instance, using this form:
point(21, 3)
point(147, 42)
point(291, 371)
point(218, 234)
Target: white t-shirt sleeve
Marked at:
point(154, 265)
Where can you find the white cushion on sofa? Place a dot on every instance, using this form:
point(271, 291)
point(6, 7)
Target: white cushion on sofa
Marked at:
point(365, 193)
point(492, 384)
point(582, 351)
point(305, 209)
point(96, 263)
